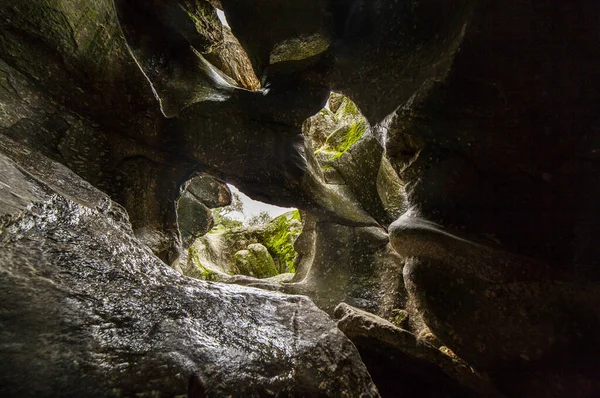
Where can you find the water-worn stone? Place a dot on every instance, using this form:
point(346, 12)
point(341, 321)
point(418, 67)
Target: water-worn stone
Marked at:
point(338, 263)
point(89, 311)
point(402, 364)
point(498, 310)
point(349, 154)
point(487, 111)
point(496, 138)
point(115, 135)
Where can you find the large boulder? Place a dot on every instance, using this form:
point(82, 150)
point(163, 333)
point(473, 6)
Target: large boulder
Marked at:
point(255, 261)
point(87, 310)
point(201, 194)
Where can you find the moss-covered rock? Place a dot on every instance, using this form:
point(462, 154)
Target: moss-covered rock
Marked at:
point(255, 261)
point(342, 139)
point(279, 237)
point(221, 250)
point(335, 129)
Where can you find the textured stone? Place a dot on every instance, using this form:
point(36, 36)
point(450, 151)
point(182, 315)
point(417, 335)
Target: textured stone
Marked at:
point(255, 261)
point(499, 310)
point(89, 311)
point(345, 264)
point(407, 365)
point(201, 194)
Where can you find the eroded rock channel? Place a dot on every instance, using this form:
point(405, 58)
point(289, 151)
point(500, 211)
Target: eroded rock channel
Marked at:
point(439, 159)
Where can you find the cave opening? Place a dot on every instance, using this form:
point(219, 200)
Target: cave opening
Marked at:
point(232, 234)
point(247, 237)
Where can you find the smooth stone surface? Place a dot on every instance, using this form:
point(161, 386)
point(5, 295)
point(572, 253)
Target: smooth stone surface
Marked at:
point(501, 311)
point(89, 311)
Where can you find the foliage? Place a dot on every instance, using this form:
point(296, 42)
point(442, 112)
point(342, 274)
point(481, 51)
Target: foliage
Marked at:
point(222, 215)
point(259, 219)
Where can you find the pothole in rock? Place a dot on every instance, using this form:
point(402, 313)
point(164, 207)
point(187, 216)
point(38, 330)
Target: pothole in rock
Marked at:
point(248, 238)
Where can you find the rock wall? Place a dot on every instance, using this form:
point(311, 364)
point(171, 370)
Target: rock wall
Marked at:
point(480, 138)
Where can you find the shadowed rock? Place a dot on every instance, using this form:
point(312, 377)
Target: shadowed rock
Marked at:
point(404, 365)
point(498, 310)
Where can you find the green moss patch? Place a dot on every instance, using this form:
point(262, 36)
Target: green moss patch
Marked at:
point(341, 140)
point(256, 261)
point(346, 126)
point(279, 237)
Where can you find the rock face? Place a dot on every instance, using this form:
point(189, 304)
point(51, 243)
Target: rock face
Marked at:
point(342, 263)
point(345, 264)
point(89, 311)
point(495, 308)
point(496, 138)
point(480, 136)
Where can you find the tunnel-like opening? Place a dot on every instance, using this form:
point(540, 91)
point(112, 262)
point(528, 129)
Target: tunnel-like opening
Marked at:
point(246, 237)
point(227, 233)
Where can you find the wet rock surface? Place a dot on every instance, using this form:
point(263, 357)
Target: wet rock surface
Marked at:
point(87, 310)
point(346, 264)
point(481, 131)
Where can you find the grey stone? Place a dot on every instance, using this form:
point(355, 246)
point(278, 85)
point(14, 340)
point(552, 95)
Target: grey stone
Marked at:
point(89, 311)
